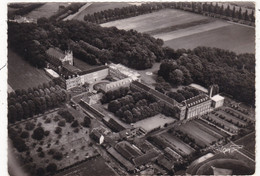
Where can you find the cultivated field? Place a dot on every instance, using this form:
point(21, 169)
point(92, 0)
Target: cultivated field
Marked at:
point(47, 10)
point(177, 143)
point(21, 75)
point(181, 29)
point(99, 6)
point(200, 136)
point(154, 122)
point(233, 37)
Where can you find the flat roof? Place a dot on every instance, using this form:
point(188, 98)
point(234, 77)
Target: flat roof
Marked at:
point(217, 98)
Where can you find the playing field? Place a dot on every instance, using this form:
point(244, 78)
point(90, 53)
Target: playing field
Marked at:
point(181, 29)
point(47, 10)
point(21, 75)
point(156, 121)
point(99, 6)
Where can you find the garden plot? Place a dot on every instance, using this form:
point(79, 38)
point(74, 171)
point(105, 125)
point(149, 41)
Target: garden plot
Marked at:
point(63, 141)
point(177, 143)
point(201, 137)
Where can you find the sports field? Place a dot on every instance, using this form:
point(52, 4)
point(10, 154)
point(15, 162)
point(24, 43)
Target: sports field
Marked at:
point(181, 29)
point(99, 6)
point(21, 75)
point(154, 122)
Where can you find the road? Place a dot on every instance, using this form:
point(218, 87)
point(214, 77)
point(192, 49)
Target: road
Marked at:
point(70, 17)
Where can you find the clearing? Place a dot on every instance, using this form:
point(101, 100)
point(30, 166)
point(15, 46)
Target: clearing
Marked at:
point(156, 121)
point(22, 75)
point(99, 6)
point(47, 10)
point(181, 29)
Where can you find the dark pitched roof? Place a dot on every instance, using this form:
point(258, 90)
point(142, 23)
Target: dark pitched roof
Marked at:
point(146, 158)
point(102, 67)
point(56, 53)
point(197, 100)
point(71, 68)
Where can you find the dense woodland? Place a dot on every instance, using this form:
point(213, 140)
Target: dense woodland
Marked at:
point(23, 104)
point(95, 45)
point(89, 42)
point(235, 74)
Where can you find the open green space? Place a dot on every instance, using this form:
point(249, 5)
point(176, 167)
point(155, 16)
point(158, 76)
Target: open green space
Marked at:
point(47, 10)
point(234, 37)
point(248, 143)
point(99, 6)
point(22, 75)
point(181, 29)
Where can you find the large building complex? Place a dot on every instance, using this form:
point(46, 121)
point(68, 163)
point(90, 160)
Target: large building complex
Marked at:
point(71, 76)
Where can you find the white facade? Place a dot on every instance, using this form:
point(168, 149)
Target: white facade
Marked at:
point(68, 57)
point(217, 101)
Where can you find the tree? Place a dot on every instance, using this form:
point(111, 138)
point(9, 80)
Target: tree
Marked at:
point(228, 11)
point(24, 134)
point(129, 116)
point(246, 15)
point(114, 105)
point(29, 126)
point(252, 16)
point(19, 111)
point(234, 12)
point(38, 133)
point(240, 13)
point(57, 156)
point(31, 107)
point(40, 171)
point(75, 123)
point(12, 114)
point(52, 167)
point(26, 109)
point(58, 130)
point(19, 144)
point(86, 122)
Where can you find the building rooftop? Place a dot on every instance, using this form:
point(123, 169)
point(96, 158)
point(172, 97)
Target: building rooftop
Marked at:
point(102, 67)
point(199, 87)
point(197, 100)
point(55, 52)
point(217, 98)
point(71, 68)
point(145, 158)
point(52, 73)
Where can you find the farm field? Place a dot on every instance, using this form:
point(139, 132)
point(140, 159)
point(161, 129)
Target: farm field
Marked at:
point(201, 137)
point(178, 144)
point(90, 167)
point(21, 75)
point(156, 121)
point(181, 29)
point(156, 20)
point(99, 6)
point(47, 10)
point(233, 37)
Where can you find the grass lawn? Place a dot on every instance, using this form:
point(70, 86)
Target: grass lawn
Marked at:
point(47, 10)
point(99, 6)
point(21, 75)
point(156, 121)
point(248, 143)
point(233, 37)
point(156, 20)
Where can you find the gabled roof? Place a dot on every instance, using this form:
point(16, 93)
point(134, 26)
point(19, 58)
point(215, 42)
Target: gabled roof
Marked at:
point(56, 53)
point(93, 70)
point(197, 100)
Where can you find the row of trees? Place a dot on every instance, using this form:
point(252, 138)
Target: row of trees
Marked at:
point(121, 13)
point(235, 74)
point(23, 104)
point(183, 94)
point(234, 13)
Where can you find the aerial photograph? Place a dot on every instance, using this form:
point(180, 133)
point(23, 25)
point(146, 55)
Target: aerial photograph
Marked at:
point(131, 88)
